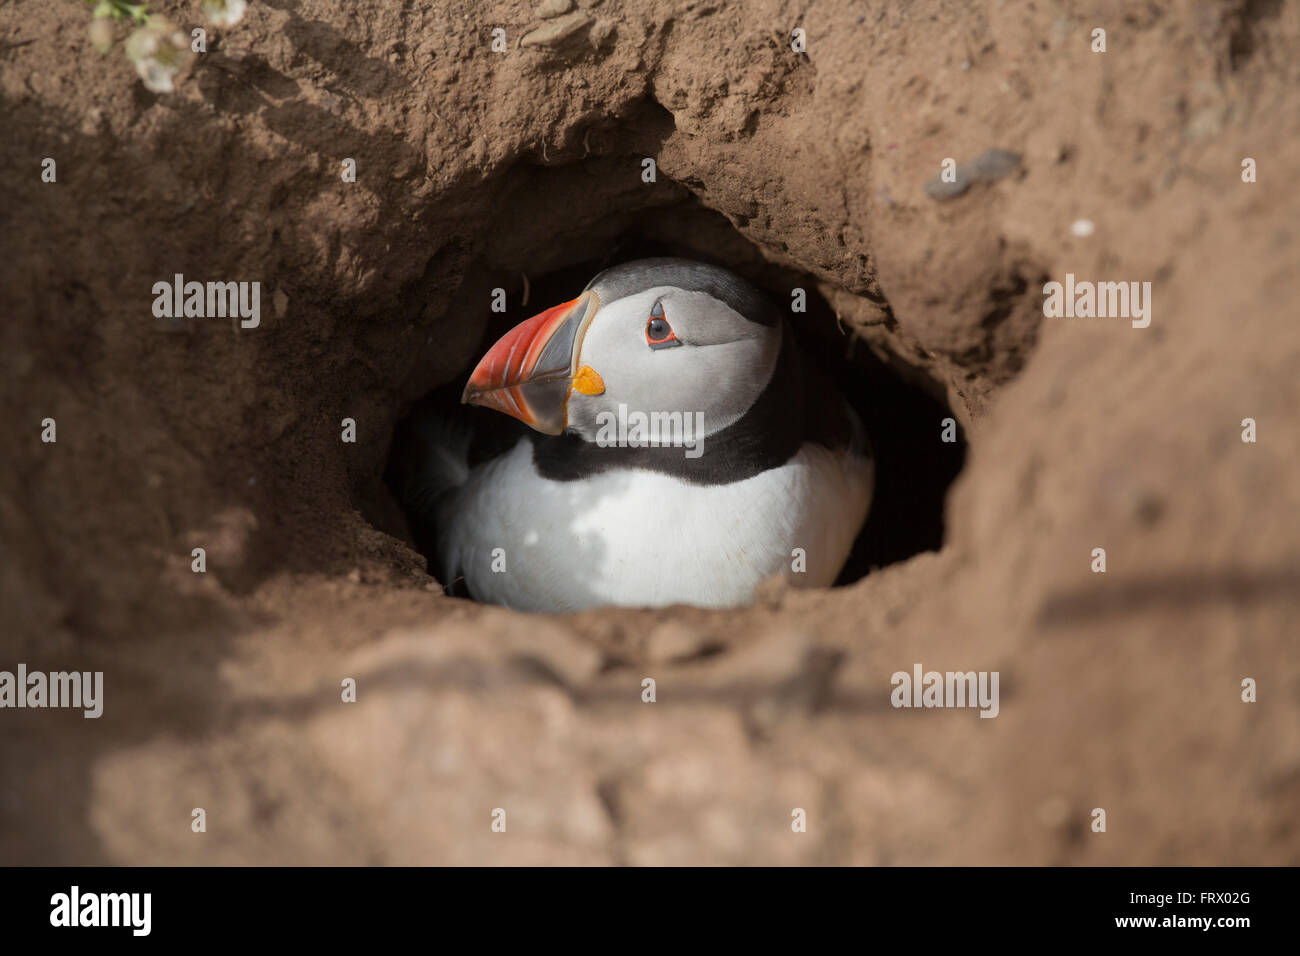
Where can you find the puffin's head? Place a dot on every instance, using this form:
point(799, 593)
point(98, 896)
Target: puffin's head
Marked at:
point(655, 335)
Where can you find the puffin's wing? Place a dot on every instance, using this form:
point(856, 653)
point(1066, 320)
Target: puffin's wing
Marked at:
point(429, 463)
point(439, 447)
point(436, 453)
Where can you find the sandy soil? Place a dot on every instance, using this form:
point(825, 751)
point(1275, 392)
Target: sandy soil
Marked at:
point(1119, 690)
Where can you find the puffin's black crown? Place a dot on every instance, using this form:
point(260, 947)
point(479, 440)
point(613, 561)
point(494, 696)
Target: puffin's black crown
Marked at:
point(727, 287)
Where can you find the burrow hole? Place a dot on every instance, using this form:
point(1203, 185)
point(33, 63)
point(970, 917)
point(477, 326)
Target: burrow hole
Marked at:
point(914, 467)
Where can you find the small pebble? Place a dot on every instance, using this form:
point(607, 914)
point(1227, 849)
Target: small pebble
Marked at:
point(1082, 227)
point(553, 8)
point(988, 167)
point(557, 31)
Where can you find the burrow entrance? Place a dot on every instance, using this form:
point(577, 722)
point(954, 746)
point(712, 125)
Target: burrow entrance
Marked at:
point(914, 467)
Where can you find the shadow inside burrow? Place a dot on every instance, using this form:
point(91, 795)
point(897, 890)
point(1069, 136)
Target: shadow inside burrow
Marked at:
point(914, 467)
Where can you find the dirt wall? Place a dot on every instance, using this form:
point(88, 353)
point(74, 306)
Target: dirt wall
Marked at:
point(1120, 690)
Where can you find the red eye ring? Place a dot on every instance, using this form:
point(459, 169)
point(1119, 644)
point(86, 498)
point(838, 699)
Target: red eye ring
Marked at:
point(658, 333)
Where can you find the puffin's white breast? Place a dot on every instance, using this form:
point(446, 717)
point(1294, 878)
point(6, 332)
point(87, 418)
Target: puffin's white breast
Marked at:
point(642, 538)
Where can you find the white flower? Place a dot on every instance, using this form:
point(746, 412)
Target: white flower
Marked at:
point(225, 13)
point(159, 51)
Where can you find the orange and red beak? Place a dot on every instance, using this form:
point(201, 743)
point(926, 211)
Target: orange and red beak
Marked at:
point(530, 371)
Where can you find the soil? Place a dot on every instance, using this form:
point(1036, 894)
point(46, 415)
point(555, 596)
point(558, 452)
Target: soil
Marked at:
point(1120, 691)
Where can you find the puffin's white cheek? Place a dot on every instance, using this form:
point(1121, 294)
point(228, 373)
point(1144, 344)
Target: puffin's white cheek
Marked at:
point(585, 413)
point(622, 371)
point(719, 382)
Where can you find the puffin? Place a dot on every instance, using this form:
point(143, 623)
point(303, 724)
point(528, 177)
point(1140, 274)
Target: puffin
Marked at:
point(667, 443)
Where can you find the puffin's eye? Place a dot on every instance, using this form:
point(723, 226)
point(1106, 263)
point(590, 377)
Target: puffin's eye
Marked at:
point(658, 333)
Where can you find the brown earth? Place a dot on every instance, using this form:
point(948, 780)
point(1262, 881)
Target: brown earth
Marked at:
point(1120, 691)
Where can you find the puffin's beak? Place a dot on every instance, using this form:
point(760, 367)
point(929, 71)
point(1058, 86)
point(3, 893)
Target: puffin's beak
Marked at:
point(530, 371)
